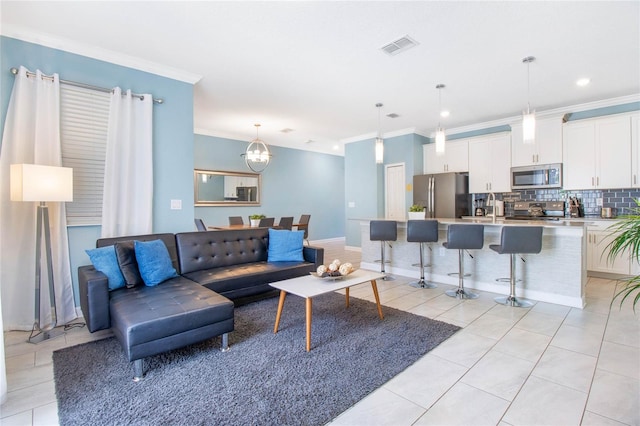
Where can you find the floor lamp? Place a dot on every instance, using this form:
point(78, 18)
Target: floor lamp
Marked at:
point(31, 182)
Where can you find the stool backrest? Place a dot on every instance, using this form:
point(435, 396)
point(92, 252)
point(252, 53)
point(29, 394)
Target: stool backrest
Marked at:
point(521, 239)
point(383, 230)
point(422, 231)
point(469, 236)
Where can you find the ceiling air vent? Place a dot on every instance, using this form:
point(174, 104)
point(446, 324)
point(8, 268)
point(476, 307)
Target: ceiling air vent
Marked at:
point(399, 45)
point(393, 115)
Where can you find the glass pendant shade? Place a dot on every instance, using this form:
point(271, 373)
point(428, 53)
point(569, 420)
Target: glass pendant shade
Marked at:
point(379, 150)
point(529, 128)
point(257, 155)
point(440, 139)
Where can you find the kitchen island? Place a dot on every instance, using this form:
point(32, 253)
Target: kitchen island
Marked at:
point(556, 275)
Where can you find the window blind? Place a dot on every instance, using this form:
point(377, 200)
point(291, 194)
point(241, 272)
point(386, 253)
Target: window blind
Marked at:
point(84, 117)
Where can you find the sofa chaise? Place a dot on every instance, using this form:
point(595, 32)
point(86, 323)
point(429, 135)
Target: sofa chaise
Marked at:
point(213, 269)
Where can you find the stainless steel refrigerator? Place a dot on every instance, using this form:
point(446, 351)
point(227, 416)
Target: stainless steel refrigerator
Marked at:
point(445, 195)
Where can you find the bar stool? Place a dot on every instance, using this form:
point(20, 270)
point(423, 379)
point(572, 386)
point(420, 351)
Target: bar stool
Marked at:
point(463, 237)
point(383, 231)
point(422, 231)
point(517, 240)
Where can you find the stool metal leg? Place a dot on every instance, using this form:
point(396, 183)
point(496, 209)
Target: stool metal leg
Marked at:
point(511, 300)
point(386, 277)
point(460, 292)
point(421, 283)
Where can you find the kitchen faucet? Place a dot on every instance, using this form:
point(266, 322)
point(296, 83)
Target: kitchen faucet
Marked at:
point(493, 210)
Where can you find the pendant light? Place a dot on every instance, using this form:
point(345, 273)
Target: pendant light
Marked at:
point(257, 155)
point(379, 146)
point(440, 138)
point(528, 118)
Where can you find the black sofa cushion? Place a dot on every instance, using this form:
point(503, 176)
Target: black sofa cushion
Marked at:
point(142, 315)
point(245, 279)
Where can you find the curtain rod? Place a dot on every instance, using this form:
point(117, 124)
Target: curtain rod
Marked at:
point(14, 71)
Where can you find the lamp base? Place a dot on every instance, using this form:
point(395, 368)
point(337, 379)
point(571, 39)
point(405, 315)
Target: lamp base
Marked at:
point(44, 335)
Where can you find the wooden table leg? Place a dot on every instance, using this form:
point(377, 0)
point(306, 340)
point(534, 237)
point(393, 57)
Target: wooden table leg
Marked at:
point(283, 294)
point(308, 324)
point(375, 294)
point(347, 294)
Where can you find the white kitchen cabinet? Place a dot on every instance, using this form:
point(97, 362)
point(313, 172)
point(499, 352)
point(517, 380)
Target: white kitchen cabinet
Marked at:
point(598, 239)
point(597, 153)
point(490, 163)
point(635, 151)
point(547, 148)
point(454, 159)
point(230, 184)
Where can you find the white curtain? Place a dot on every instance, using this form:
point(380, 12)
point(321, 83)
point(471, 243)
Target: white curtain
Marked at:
point(127, 202)
point(32, 136)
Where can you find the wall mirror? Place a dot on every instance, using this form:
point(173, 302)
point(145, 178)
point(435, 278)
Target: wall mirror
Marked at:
point(220, 188)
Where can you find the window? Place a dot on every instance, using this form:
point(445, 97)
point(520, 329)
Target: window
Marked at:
point(84, 117)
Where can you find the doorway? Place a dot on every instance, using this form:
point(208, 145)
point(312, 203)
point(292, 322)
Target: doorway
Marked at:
point(394, 192)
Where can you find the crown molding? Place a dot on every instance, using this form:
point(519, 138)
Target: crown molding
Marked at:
point(373, 135)
point(71, 46)
point(551, 113)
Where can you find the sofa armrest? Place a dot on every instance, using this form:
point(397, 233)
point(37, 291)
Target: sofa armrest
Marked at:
point(313, 254)
point(94, 298)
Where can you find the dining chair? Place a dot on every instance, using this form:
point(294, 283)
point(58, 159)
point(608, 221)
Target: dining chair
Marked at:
point(303, 225)
point(200, 225)
point(236, 220)
point(286, 223)
point(267, 222)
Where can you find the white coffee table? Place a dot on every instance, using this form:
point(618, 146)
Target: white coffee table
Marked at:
point(309, 286)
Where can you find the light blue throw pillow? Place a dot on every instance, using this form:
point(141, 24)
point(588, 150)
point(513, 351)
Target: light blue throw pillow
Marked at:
point(154, 262)
point(285, 246)
point(104, 260)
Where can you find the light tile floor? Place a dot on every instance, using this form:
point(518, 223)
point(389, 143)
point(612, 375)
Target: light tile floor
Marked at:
point(545, 365)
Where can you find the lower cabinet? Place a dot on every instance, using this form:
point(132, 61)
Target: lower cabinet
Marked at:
point(598, 240)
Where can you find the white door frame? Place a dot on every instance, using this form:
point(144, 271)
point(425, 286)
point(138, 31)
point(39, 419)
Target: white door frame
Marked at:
point(398, 190)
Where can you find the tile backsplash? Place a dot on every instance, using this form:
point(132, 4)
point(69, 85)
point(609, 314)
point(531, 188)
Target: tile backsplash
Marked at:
point(621, 199)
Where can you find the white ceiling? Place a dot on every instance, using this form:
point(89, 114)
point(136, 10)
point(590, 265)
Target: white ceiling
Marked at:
point(317, 68)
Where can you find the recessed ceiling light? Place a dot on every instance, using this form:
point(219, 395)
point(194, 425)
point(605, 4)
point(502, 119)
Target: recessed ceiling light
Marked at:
point(583, 82)
point(336, 147)
point(286, 130)
point(444, 113)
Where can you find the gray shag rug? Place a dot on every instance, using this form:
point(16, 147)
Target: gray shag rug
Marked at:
point(265, 379)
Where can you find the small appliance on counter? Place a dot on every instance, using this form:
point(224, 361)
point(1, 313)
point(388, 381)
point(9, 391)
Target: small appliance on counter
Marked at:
point(537, 210)
point(608, 212)
point(499, 208)
point(479, 207)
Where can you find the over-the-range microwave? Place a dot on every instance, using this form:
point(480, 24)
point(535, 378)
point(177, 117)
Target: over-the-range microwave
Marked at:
point(537, 177)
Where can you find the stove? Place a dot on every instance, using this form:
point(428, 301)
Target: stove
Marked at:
point(537, 210)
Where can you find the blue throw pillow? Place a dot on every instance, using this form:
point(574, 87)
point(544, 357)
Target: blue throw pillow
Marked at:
point(104, 260)
point(285, 246)
point(154, 262)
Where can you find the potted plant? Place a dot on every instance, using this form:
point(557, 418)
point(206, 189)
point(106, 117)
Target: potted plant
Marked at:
point(627, 243)
point(255, 219)
point(416, 212)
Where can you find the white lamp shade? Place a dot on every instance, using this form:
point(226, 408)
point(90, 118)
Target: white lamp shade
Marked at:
point(440, 142)
point(31, 182)
point(379, 150)
point(529, 128)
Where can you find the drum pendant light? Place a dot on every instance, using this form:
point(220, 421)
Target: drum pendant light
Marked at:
point(379, 146)
point(440, 138)
point(257, 155)
point(528, 118)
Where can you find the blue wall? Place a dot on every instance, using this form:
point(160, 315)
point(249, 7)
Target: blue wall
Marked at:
point(172, 130)
point(296, 182)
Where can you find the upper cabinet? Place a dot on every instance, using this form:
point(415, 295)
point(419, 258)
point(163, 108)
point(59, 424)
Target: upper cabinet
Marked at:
point(635, 151)
point(547, 148)
point(489, 163)
point(454, 159)
point(597, 153)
